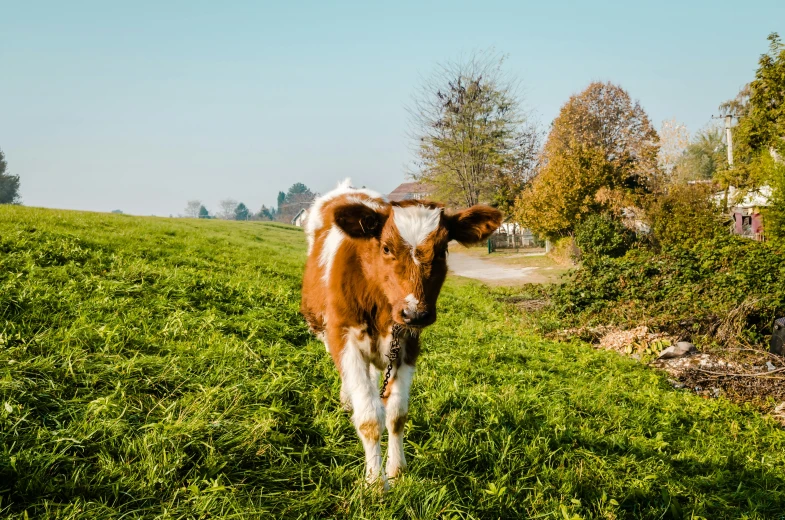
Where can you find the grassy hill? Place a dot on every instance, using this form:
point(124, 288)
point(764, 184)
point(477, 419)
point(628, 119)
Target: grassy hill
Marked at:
point(158, 368)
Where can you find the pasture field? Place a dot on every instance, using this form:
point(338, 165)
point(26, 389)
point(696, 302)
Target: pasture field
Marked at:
point(158, 368)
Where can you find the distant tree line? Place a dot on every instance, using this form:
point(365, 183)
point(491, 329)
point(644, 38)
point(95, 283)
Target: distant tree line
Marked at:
point(9, 184)
point(298, 197)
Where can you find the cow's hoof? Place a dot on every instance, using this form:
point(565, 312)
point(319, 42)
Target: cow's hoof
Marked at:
point(394, 473)
point(380, 486)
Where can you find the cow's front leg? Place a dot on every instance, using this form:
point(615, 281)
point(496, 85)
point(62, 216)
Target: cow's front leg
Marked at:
point(397, 414)
point(368, 416)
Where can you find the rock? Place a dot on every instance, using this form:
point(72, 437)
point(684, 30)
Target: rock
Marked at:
point(770, 366)
point(680, 349)
point(779, 413)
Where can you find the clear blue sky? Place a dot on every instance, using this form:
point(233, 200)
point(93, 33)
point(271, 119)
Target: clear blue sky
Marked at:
point(145, 105)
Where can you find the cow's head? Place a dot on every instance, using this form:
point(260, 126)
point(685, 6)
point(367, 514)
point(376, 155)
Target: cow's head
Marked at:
point(405, 251)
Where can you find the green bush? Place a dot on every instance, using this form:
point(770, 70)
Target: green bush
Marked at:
point(564, 251)
point(774, 215)
point(685, 214)
point(603, 235)
point(694, 289)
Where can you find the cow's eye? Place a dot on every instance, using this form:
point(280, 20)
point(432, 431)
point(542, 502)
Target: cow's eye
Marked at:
point(386, 250)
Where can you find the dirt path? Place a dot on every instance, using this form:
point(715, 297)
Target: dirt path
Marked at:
point(492, 272)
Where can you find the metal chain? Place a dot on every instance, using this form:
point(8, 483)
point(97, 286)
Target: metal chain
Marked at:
point(395, 347)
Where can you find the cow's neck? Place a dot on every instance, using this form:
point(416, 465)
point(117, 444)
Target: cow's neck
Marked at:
point(378, 316)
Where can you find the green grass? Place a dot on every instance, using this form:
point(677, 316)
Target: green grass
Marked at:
point(158, 368)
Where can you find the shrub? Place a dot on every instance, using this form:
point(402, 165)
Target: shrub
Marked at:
point(685, 290)
point(603, 235)
point(774, 215)
point(564, 251)
point(685, 214)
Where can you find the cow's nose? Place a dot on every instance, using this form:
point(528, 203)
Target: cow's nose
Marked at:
point(414, 317)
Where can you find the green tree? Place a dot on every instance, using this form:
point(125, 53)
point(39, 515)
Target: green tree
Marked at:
point(760, 109)
point(266, 213)
point(241, 212)
point(297, 191)
point(759, 136)
point(9, 184)
point(703, 158)
point(281, 199)
point(298, 197)
point(474, 142)
point(203, 213)
point(763, 126)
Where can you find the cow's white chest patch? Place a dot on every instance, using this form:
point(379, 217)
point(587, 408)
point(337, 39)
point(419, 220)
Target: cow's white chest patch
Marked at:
point(415, 223)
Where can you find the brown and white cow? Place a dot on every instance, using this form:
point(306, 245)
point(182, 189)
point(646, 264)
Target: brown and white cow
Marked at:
point(372, 264)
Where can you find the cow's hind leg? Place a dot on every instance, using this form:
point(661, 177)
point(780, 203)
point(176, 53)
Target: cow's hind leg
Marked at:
point(397, 414)
point(368, 416)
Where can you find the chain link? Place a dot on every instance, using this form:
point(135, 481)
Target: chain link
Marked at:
point(395, 348)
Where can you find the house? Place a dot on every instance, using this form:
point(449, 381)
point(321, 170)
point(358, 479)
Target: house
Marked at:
point(299, 219)
point(746, 211)
point(411, 191)
point(511, 235)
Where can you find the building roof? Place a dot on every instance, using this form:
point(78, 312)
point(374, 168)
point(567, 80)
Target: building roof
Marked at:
point(750, 199)
point(294, 220)
point(407, 190)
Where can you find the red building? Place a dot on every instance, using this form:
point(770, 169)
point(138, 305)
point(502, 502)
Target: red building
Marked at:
point(746, 211)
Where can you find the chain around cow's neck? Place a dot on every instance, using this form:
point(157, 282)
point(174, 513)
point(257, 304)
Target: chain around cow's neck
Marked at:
point(395, 348)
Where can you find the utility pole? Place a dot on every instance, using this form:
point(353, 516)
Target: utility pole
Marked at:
point(730, 139)
point(728, 136)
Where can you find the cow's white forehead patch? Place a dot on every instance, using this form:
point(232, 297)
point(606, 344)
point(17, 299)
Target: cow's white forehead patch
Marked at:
point(415, 223)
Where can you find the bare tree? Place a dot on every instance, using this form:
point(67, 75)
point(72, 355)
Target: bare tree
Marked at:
point(228, 207)
point(192, 208)
point(472, 138)
point(674, 140)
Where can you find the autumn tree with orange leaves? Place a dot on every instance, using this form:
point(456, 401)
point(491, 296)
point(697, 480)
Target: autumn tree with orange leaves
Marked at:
point(601, 150)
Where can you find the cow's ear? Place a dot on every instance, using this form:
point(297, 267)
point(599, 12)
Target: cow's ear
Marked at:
point(361, 219)
point(474, 224)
